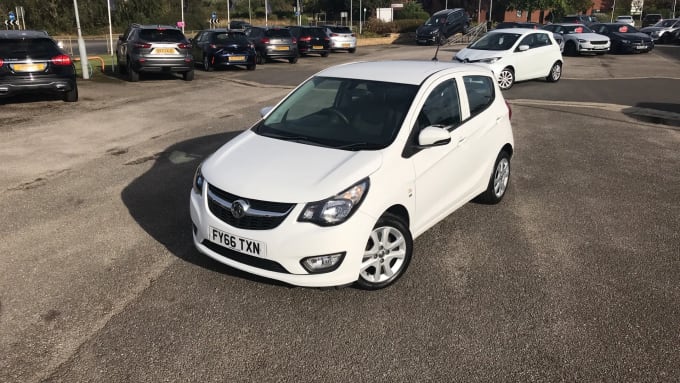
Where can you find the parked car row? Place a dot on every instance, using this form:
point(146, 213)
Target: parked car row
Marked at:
point(162, 48)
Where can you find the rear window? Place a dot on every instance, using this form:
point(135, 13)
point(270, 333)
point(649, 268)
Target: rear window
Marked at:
point(277, 33)
point(230, 37)
point(316, 32)
point(162, 35)
point(340, 29)
point(28, 48)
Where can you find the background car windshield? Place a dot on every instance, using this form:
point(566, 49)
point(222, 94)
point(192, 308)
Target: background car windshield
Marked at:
point(665, 23)
point(230, 37)
point(496, 41)
point(341, 113)
point(577, 29)
point(161, 35)
point(33, 48)
point(441, 20)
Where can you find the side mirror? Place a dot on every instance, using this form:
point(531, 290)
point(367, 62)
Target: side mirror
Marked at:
point(265, 111)
point(523, 48)
point(433, 136)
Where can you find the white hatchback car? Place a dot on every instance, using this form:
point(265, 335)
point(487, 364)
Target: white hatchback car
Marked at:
point(334, 183)
point(516, 54)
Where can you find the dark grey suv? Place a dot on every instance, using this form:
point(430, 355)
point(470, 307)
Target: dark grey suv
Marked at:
point(273, 43)
point(443, 24)
point(154, 48)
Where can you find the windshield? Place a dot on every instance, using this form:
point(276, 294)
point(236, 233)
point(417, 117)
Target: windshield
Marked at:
point(577, 29)
point(436, 20)
point(341, 113)
point(496, 41)
point(665, 23)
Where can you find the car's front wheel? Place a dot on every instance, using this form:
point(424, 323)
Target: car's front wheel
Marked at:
point(293, 60)
point(387, 255)
point(506, 78)
point(555, 72)
point(206, 64)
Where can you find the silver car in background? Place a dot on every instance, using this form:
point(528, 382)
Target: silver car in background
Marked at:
point(342, 38)
point(662, 32)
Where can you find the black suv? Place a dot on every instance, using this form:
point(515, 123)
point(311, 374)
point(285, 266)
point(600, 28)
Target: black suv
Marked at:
point(273, 42)
point(154, 48)
point(446, 23)
point(311, 40)
point(30, 61)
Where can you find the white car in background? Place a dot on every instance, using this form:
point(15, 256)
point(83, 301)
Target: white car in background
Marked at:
point(335, 182)
point(580, 39)
point(516, 55)
point(625, 20)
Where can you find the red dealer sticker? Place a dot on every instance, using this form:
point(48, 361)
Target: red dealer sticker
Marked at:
point(578, 29)
point(623, 29)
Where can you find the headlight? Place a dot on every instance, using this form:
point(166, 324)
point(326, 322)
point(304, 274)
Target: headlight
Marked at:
point(625, 41)
point(337, 209)
point(581, 41)
point(198, 180)
point(489, 60)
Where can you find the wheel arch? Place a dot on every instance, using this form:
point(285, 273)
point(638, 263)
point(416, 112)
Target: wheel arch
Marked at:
point(401, 212)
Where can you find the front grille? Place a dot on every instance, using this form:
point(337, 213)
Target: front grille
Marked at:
point(266, 215)
point(246, 259)
point(598, 42)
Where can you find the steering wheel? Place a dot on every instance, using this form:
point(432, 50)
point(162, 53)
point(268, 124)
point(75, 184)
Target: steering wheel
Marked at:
point(337, 113)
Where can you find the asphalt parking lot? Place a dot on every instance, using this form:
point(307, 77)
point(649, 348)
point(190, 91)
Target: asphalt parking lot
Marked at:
point(575, 276)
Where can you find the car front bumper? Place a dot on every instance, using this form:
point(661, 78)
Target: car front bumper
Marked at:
point(286, 245)
point(590, 47)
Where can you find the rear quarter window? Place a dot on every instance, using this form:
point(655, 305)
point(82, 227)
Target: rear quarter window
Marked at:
point(480, 92)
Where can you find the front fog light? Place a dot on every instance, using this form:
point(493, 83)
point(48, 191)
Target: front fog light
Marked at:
point(322, 263)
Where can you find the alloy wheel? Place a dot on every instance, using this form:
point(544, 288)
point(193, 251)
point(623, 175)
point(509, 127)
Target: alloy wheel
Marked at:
point(385, 255)
point(501, 177)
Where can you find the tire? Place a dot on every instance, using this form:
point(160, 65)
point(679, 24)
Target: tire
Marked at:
point(352, 50)
point(555, 72)
point(259, 59)
point(664, 39)
point(133, 75)
point(570, 49)
point(122, 69)
point(499, 181)
point(71, 95)
point(250, 67)
point(388, 253)
point(293, 60)
point(188, 76)
point(206, 64)
point(324, 54)
point(506, 79)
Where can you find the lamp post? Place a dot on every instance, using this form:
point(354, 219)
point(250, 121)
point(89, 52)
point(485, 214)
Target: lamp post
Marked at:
point(81, 45)
point(108, 3)
point(611, 20)
point(674, 3)
point(359, 16)
point(350, 14)
point(182, 8)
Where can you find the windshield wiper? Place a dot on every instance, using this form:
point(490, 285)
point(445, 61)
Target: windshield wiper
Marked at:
point(358, 146)
point(293, 138)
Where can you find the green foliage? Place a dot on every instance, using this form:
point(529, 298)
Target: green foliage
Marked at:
point(380, 27)
point(412, 10)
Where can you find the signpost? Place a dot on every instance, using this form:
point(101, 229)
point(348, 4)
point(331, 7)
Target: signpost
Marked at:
point(214, 20)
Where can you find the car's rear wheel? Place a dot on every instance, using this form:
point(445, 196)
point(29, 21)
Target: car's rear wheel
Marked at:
point(133, 75)
point(250, 66)
point(324, 54)
point(259, 59)
point(293, 60)
point(352, 50)
point(206, 64)
point(555, 72)
point(71, 95)
point(121, 68)
point(387, 254)
point(188, 76)
point(570, 49)
point(499, 181)
point(506, 78)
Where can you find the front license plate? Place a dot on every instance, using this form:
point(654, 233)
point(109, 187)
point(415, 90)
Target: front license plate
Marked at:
point(317, 47)
point(164, 51)
point(641, 47)
point(29, 67)
point(285, 48)
point(237, 58)
point(236, 243)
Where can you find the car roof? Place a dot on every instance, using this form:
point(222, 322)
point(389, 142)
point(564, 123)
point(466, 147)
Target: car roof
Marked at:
point(447, 11)
point(522, 31)
point(29, 34)
point(570, 24)
point(399, 71)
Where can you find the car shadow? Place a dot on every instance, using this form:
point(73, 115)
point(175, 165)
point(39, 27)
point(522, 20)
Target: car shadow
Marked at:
point(158, 200)
point(655, 112)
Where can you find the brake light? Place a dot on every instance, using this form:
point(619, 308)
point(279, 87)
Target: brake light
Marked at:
point(184, 46)
point(62, 60)
point(335, 34)
point(294, 40)
point(264, 40)
point(2, 62)
point(306, 38)
point(213, 46)
point(142, 45)
point(509, 110)
point(326, 38)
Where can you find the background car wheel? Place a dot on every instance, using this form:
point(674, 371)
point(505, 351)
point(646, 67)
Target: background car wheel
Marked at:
point(133, 75)
point(387, 255)
point(206, 64)
point(506, 78)
point(71, 95)
point(500, 179)
point(250, 66)
point(664, 39)
point(122, 69)
point(293, 60)
point(352, 50)
point(259, 59)
point(570, 49)
point(324, 54)
point(555, 72)
point(188, 76)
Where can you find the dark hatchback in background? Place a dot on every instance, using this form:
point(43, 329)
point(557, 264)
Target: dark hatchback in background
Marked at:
point(446, 22)
point(154, 48)
point(624, 38)
point(223, 48)
point(273, 43)
point(311, 40)
point(31, 62)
